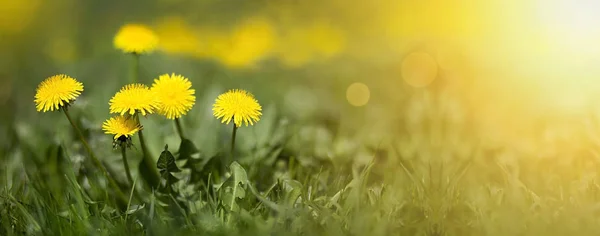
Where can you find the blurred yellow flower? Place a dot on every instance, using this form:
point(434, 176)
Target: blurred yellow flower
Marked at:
point(175, 94)
point(56, 92)
point(214, 43)
point(251, 41)
point(16, 15)
point(176, 36)
point(247, 43)
point(318, 41)
point(121, 126)
point(134, 98)
point(239, 105)
point(293, 51)
point(326, 40)
point(136, 38)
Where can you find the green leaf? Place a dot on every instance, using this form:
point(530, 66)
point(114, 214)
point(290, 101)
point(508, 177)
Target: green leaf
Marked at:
point(148, 175)
point(171, 179)
point(134, 209)
point(265, 201)
point(293, 191)
point(238, 173)
point(186, 149)
point(234, 187)
point(166, 162)
point(229, 200)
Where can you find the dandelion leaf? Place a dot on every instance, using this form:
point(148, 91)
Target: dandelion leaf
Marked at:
point(234, 187)
point(187, 149)
point(166, 162)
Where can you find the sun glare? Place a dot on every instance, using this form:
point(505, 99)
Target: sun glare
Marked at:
point(571, 23)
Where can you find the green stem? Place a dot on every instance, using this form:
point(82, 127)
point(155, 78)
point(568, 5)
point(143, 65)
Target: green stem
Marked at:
point(135, 68)
point(179, 129)
point(131, 197)
point(233, 140)
point(126, 163)
point(147, 160)
point(97, 162)
point(229, 158)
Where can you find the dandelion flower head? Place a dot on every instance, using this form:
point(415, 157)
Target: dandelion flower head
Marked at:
point(56, 91)
point(237, 105)
point(175, 95)
point(121, 126)
point(136, 38)
point(134, 98)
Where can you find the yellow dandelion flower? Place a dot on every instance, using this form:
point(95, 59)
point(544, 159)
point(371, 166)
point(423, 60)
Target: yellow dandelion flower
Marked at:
point(175, 95)
point(121, 126)
point(249, 43)
point(239, 105)
point(56, 92)
point(135, 38)
point(134, 98)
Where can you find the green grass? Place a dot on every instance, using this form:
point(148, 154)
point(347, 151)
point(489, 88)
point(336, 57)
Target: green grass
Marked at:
point(405, 164)
point(297, 178)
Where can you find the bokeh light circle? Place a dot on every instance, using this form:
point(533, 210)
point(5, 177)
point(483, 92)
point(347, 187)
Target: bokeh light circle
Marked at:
point(358, 94)
point(419, 69)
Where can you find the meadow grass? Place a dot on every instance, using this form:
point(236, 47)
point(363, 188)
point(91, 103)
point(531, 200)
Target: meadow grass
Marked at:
point(424, 168)
point(296, 179)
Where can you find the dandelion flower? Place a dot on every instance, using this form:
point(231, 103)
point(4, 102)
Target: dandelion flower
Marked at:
point(175, 95)
point(56, 92)
point(134, 98)
point(121, 126)
point(135, 38)
point(239, 105)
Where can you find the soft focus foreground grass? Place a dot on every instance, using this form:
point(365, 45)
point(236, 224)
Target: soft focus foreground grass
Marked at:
point(427, 172)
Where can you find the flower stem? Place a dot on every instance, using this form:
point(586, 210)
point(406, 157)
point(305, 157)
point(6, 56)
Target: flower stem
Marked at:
point(135, 68)
point(229, 158)
point(97, 162)
point(179, 129)
point(126, 163)
point(233, 141)
point(146, 159)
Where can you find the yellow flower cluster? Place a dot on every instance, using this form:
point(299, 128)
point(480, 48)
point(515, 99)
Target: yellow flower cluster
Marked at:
point(171, 95)
point(253, 40)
